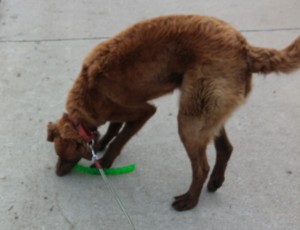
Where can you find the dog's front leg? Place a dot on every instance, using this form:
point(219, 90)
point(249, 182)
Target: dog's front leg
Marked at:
point(135, 118)
point(112, 131)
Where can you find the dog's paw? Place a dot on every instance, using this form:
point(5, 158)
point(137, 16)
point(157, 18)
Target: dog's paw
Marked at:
point(214, 185)
point(93, 165)
point(185, 202)
point(104, 164)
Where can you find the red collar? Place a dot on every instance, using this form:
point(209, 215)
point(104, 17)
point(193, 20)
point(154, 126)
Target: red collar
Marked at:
point(85, 133)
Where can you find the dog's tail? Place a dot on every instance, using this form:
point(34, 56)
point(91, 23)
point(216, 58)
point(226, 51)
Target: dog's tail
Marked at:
point(261, 60)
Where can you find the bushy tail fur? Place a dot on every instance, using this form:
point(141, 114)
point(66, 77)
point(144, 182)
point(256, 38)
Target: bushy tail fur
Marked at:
point(265, 61)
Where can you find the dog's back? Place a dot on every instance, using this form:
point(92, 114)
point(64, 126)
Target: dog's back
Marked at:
point(155, 54)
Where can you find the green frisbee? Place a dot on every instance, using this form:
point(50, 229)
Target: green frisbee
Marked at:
point(110, 171)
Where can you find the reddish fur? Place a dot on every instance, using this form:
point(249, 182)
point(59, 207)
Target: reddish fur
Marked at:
point(270, 60)
point(208, 60)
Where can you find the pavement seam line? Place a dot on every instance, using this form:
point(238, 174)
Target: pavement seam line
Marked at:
point(107, 37)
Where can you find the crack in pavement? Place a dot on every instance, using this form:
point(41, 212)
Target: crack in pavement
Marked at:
point(72, 226)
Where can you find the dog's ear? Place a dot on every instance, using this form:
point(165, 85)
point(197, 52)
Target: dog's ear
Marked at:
point(51, 132)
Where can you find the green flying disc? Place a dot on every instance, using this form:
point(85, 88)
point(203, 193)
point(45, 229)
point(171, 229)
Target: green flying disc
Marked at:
point(110, 171)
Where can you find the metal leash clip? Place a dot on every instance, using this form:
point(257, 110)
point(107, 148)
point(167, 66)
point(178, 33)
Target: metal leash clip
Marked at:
point(94, 155)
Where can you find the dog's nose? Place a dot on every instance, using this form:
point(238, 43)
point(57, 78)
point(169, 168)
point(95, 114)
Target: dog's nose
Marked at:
point(64, 167)
point(61, 173)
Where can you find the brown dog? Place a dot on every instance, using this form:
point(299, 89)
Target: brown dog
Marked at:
point(209, 61)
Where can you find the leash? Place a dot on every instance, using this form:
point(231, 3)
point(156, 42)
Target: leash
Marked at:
point(89, 138)
point(109, 186)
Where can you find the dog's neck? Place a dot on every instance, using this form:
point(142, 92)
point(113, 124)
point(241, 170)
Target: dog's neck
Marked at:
point(76, 119)
point(79, 106)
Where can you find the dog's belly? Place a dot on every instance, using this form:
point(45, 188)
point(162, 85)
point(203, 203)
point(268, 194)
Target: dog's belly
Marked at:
point(135, 90)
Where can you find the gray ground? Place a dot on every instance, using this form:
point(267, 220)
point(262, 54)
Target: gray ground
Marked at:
point(42, 45)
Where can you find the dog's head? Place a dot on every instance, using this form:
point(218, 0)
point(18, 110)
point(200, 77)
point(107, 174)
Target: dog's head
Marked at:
point(69, 145)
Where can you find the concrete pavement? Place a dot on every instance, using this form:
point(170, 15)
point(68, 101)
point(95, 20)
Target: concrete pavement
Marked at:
point(42, 45)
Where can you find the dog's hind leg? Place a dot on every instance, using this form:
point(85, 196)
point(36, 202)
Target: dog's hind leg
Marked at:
point(112, 131)
point(206, 102)
point(195, 144)
point(224, 149)
point(134, 118)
